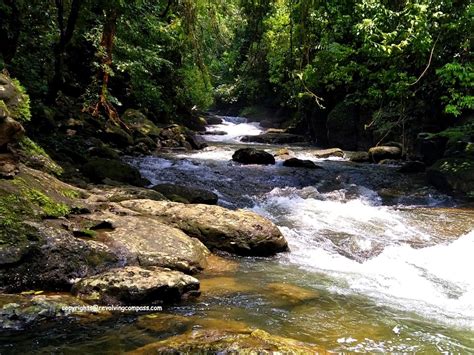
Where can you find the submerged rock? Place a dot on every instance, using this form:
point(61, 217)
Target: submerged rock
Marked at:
point(379, 153)
point(299, 163)
point(241, 232)
point(221, 341)
point(253, 156)
point(133, 285)
point(20, 312)
point(186, 194)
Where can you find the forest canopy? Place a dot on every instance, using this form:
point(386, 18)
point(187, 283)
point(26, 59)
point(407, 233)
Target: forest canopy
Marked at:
point(404, 63)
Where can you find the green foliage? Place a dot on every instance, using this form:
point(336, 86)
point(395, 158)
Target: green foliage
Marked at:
point(458, 79)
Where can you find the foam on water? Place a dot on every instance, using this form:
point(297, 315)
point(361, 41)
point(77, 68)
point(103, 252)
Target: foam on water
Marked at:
point(235, 128)
point(328, 233)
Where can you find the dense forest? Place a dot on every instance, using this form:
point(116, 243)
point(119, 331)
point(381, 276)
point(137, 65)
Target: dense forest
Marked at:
point(399, 66)
point(145, 143)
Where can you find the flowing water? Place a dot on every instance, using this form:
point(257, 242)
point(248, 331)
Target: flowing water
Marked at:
point(378, 263)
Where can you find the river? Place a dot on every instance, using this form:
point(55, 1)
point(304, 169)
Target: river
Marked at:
point(379, 262)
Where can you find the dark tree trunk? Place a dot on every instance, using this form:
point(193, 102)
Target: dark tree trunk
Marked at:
point(9, 38)
point(65, 36)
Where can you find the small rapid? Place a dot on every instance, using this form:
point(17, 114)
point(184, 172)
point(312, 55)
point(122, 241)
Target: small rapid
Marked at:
point(365, 233)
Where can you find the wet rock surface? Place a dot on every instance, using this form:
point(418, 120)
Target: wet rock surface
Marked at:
point(253, 156)
point(186, 194)
point(240, 232)
point(133, 285)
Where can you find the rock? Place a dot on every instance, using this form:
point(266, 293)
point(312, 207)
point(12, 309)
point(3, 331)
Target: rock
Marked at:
point(104, 151)
point(379, 153)
point(214, 133)
point(98, 169)
point(117, 136)
point(392, 162)
point(50, 259)
point(240, 232)
point(412, 167)
point(147, 242)
point(453, 174)
point(213, 119)
point(8, 166)
point(430, 147)
point(267, 124)
point(133, 285)
point(20, 312)
point(219, 341)
point(253, 156)
point(299, 163)
point(217, 265)
point(123, 193)
point(197, 142)
point(275, 138)
point(10, 131)
point(222, 286)
point(179, 193)
point(287, 294)
point(140, 125)
point(358, 157)
point(327, 153)
point(342, 126)
point(14, 102)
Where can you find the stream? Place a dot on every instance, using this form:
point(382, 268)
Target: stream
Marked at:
point(379, 262)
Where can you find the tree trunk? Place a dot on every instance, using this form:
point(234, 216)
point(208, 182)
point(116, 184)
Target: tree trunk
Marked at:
point(65, 37)
point(107, 44)
point(9, 37)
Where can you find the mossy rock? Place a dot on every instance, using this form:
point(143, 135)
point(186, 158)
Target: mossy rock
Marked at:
point(14, 100)
point(217, 341)
point(453, 174)
point(36, 157)
point(139, 123)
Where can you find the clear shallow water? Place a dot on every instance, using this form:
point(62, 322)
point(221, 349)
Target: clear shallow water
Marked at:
point(380, 245)
point(379, 262)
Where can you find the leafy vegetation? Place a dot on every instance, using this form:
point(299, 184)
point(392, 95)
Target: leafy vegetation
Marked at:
point(406, 64)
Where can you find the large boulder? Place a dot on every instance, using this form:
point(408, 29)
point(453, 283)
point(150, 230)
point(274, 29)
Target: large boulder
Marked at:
point(234, 341)
point(99, 169)
point(453, 174)
point(123, 193)
point(275, 138)
point(380, 153)
point(148, 242)
point(115, 135)
point(240, 232)
point(133, 285)
point(299, 163)
point(358, 157)
point(50, 258)
point(187, 194)
point(140, 125)
point(253, 156)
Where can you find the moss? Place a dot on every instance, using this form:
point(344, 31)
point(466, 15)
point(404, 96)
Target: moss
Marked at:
point(33, 151)
point(21, 111)
point(70, 193)
point(454, 134)
point(50, 207)
point(3, 107)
